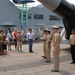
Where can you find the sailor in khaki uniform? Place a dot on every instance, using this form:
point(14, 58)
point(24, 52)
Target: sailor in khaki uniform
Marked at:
point(48, 45)
point(72, 42)
point(56, 48)
point(44, 44)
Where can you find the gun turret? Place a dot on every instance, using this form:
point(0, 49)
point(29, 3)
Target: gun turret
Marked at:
point(65, 10)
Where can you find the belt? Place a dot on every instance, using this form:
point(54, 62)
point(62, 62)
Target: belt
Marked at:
point(72, 44)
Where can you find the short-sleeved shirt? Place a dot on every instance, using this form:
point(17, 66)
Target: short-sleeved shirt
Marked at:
point(56, 39)
point(9, 36)
point(20, 37)
point(30, 36)
point(72, 39)
point(15, 35)
point(44, 37)
point(48, 38)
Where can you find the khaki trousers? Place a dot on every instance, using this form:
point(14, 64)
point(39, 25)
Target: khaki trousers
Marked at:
point(48, 52)
point(56, 59)
point(44, 49)
point(19, 44)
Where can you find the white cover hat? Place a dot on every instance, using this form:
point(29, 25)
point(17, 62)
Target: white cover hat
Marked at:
point(56, 27)
point(46, 29)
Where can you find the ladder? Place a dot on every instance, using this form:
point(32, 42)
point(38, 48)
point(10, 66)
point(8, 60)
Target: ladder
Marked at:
point(24, 15)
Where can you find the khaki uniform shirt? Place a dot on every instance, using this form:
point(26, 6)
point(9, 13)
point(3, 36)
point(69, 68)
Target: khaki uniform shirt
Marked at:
point(72, 39)
point(56, 40)
point(48, 39)
point(44, 37)
point(2, 36)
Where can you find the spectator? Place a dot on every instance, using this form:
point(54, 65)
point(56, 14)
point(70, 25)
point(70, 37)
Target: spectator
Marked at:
point(1, 38)
point(30, 38)
point(9, 39)
point(4, 45)
point(15, 38)
point(19, 41)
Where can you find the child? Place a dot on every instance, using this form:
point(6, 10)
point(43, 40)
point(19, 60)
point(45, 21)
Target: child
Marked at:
point(4, 46)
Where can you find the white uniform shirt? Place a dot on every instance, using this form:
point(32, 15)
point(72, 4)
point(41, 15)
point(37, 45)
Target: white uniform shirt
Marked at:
point(30, 36)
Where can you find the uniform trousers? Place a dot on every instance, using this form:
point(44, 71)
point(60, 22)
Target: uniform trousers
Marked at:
point(44, 49)
point(56, 59)
point(73, 53)
point(48, 52)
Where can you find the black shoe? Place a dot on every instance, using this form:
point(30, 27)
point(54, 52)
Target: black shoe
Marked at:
point(31, 52)
point(47, 61)
point(44, 57)
point(54, 70)
point(72, 63)
point(10, 49)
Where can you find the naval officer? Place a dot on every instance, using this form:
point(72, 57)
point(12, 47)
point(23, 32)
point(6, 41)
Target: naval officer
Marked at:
point(56, 48)
point(72, 42)
point(48, 45)
point(44, 43)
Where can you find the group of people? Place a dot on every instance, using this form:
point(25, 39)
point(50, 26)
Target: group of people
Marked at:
point(12, 37)
point(15, 37)
point(49, 43)
point(6, 40)
point(53, 42)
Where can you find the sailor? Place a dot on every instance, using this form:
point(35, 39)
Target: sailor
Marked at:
point(56, 48)
point(48, 45)
point(72, 42)
point(44, 44)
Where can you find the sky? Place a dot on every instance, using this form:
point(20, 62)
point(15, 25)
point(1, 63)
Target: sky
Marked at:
point(71, 1)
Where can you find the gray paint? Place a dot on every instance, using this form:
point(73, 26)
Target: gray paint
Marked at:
point(10, 14)
point(46, 13)
point(50, 4)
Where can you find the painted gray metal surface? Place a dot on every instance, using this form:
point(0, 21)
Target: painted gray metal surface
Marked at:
point(8, 12)
point(11, 14)
point(50, 4)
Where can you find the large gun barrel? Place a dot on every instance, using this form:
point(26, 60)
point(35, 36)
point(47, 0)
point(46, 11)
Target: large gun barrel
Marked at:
point(65, 10)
